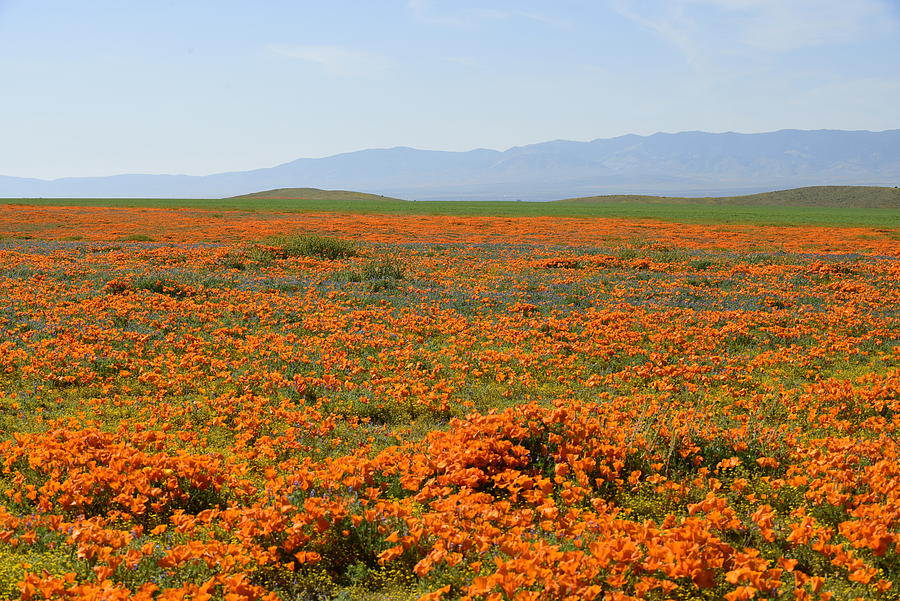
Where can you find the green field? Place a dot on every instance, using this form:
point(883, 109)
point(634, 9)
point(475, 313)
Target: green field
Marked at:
point(837, 206)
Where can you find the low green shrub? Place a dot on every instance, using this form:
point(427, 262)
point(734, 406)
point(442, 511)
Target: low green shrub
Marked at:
point(308, 245)
point(381, 273)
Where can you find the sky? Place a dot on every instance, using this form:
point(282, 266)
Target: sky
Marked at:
point(100, 87)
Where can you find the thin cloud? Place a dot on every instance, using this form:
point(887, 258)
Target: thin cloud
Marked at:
point(335, 60)
point(422, 10)
point(775, 25)
point(767, 25)
point(426, 11)
point(671, 24)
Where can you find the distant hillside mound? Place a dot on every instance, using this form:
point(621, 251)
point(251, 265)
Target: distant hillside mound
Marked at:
point(861, 197)
point(311, 194)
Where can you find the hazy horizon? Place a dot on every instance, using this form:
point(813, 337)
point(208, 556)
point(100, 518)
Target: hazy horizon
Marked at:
point(100, 88)
point(475, 149)
point(680, 164)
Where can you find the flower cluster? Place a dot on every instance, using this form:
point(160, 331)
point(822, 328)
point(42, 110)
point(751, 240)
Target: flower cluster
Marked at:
point(461, 408)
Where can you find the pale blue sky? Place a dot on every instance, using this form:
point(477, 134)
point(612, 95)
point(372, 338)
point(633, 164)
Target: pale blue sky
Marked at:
point(201, 86)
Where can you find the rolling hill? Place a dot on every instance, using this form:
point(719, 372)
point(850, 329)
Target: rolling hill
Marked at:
point(869, 197)
point(836, 206)
point(310, 194)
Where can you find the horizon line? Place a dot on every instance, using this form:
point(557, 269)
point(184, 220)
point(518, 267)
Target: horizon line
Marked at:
point(388, 148)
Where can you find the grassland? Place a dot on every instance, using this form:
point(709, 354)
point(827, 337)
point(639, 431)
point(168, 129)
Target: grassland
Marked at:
point(865, 207)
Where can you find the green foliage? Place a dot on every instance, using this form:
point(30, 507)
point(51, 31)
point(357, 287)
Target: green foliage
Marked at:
point(385, 268)
point(382, 268)
point(47, 554)
point(235, 260)
point(259, 256)
point(310, 245)
point(176, 284)
point(701, 264)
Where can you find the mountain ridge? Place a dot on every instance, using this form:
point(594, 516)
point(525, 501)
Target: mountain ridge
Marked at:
point(691, 163)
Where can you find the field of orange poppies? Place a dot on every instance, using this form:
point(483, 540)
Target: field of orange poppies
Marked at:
point(236, 406)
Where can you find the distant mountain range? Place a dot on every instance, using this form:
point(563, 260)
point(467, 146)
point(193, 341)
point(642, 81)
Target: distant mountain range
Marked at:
point(682, 164)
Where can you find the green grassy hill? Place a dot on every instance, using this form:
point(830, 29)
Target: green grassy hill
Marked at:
point(863, 197)
point(823, 205)
point(310, 194)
